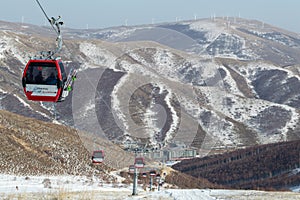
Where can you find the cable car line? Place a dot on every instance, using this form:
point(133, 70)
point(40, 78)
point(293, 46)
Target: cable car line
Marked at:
point(43, 10)
point(57, 23)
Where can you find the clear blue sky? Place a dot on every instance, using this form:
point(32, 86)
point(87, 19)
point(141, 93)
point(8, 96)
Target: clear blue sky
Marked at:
point(106, 13)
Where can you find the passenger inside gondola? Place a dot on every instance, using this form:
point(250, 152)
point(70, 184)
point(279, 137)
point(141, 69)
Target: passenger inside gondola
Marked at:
point(39, 78)
point(51, 80)
point(41, 73)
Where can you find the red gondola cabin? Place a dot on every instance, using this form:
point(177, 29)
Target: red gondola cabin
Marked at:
point(144, 175)
point(98, 157)
point(139, 162)
point(131, 169)
point(152, 173)
point(43, 80)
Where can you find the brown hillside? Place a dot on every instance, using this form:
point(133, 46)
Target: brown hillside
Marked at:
point(185, 181)
point(33, 147)
point(272, 166)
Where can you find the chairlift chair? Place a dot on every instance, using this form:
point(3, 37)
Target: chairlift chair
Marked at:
point(131, 168)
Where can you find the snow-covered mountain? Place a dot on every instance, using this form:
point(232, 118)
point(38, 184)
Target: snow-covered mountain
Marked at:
point(219, 83)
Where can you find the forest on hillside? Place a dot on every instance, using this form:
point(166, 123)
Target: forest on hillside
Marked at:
point(269, 167)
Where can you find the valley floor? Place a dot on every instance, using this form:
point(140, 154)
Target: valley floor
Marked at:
point(76, 187)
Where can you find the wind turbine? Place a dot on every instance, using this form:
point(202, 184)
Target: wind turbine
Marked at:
point(213, 16)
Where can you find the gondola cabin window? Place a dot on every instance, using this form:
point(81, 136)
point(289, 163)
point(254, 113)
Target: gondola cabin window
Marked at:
point(38, 73)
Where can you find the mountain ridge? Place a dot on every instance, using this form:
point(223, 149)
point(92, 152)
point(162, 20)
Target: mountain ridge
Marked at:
point(221, 82)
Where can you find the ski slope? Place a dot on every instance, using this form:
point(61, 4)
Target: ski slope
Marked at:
point(78, 187)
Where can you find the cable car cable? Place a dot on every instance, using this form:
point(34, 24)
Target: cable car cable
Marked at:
point(57, 23)
point(43, 11)
point(52, 20)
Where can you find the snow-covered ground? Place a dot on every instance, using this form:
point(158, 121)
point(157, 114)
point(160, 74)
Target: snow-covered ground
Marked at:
point(77, 187)
point(60, 187)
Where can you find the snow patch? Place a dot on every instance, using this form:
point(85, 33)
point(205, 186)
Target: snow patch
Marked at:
point(97, 56)
point(11, 184)
point(2, 91)
point(116, 104)
point(9, 44)
point(233, 89)
point(213, 30)
point(175, 118)
point(22, 101)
